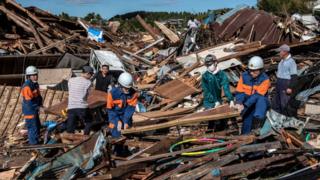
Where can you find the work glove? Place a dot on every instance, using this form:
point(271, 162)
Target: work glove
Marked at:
point(239, 107)
point(192, 40)
point(231, 104)
point(119, 127)
point(217, 104)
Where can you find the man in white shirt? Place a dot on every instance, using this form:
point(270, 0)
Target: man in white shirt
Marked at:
point(77, 100)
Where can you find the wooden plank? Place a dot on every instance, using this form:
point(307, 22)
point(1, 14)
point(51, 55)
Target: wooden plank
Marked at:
point(141, 59)
point(312, 109)
point(55, 44)
point(15, 18)
point(147, 27)
point(247, 46)
point(4, 102)
point(7, 175)
point(166, 31)
point(1, 90)
point(175, 90)
point(173, 154)
point(251, 165)
point(9, 110)
point(189, 119)
point(49, 76)
point(15, 119)
point(32, 16)
point(46, 103)
point(36, 35)
point(205, 169)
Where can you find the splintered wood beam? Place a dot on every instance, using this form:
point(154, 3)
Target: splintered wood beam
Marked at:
point(32, 16)
point(147, 27)
point(166, 31)
point(50, 46)
point(15, 18)
point(189, 119)
point(36, 35)
point(141, 59)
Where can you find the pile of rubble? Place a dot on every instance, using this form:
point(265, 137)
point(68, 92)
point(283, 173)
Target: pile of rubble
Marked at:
point(34, 31)
point(169, 137)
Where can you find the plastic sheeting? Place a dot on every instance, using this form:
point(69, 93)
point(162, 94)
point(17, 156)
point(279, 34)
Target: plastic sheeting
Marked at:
point(100, 57)
point(276, 121)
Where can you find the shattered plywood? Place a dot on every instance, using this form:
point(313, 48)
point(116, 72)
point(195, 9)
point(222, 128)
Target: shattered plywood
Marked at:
point(49, 76)
point(175, 90)
point(169, 34)
point(96, 98)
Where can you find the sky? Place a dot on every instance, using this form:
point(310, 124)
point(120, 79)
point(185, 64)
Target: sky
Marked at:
point(109, 8)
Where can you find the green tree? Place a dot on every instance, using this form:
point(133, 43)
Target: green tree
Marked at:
point(66, 16)
point(284, 7)
point(93, 18)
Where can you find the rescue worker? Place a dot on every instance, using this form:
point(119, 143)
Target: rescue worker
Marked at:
point(286, 77)
point(31, 103)
point(213, 82)
point(121, 103)
point(251, 95)
point(78, 101)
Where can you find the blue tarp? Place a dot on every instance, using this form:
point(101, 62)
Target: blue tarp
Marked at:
point(95, 34)
point(209, 19)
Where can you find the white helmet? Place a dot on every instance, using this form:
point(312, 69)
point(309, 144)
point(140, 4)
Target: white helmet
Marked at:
point(255, 63)
point(31, 70)
point(125, 80)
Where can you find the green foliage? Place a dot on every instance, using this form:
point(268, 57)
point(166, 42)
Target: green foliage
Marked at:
point(93, 18)
point(67, 17)
point(283, 7)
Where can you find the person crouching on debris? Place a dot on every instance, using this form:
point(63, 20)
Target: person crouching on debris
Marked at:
point(31, 103)
point(213, 82)
point(286, 77)
point(251, 95)
point(77, 101)
point(121, 103)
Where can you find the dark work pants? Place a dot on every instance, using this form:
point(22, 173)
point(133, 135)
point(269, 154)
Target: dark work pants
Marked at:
point(256, 111)
point(280, 101)
point(33, 125)
point(75, 115)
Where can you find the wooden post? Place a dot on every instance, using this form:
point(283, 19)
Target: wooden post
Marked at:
point(147, 27)
point(36, 35)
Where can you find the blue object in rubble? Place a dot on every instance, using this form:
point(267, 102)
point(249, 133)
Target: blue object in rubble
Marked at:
point(95, 34)
point(50, 125)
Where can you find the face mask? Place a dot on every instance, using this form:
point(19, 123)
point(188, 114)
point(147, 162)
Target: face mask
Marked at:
point(212, 68)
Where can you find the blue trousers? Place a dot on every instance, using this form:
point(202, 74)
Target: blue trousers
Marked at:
point(114, 122)
point(33, 125)
point(257, 110)
point(280, 101)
